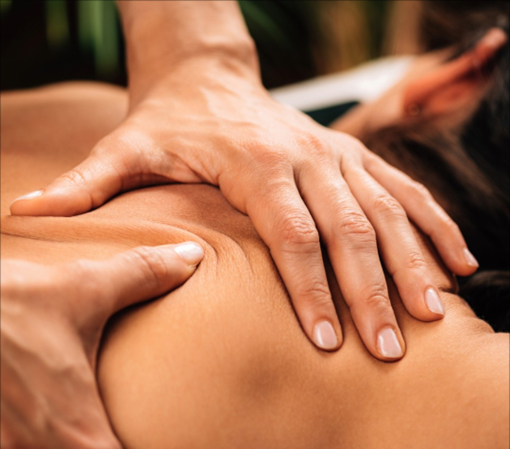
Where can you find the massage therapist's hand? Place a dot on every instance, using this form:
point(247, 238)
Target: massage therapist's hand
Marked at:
point(198, 113)
point(52, 318)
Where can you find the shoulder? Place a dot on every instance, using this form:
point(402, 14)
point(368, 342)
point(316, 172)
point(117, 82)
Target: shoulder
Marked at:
point(227, 348)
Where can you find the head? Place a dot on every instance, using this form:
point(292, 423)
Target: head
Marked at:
point(447, 125)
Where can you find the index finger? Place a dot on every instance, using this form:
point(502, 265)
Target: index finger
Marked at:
point(284, 223)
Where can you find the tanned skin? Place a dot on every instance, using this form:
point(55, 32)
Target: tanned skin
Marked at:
point(222, 361)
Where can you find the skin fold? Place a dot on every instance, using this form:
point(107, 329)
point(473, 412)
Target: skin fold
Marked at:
point(222, 361)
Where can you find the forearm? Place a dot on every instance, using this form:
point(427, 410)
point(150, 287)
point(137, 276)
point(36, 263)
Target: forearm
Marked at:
point(162, 34)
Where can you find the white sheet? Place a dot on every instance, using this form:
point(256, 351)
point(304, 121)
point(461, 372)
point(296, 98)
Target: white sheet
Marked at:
point(363, 84)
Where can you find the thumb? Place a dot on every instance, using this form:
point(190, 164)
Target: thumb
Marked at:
point(140, 274)
point(81, 189)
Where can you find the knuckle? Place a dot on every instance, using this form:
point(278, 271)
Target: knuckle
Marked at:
point(414, 261)
point(272, 158)
point(315, 294)
point(446, 227)
point(419, 191)
point(347, 140)
point(298, 230)
point(78, 180)
point(449, 224)
point(152, 265)
point(355, 226)
point(357, 145)
point(371, 160)
point(387, 205)
point(314, 144)
point(376, 300)
point(74, 177)
point(269, 172)
point(315, 297)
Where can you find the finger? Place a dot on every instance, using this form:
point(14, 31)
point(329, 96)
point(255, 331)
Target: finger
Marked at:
point(284, 223)
point(81, 189)
point(401, 253)
point(428, 215)
point(137, 275)
point(352, 248)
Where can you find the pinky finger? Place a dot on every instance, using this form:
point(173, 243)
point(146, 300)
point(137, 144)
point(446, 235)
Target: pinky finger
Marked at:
point(427, 214)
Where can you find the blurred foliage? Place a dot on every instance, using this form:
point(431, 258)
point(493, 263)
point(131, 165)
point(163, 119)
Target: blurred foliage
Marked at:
point(98, 31)
point(4, 5)
point(284, 33)
point(55, 40)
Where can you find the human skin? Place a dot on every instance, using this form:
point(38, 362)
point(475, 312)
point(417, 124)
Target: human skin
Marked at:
point(222, 362)
point(52, 320)
point(198, 113)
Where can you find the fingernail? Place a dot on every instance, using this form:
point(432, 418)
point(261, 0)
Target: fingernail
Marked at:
point(192, 253)
point(433, 301)
point(388, 344)
point(29, 196)
point(470, 259)
point(324, 336)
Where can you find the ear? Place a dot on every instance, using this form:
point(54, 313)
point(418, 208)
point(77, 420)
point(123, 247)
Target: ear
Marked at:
point(454, 84)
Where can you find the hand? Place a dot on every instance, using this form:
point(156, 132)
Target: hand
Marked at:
point(294, 178)
point(52, 318)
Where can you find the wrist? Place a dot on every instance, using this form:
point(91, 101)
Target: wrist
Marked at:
point(240, 56)
point(162, 36)
point(218, 66)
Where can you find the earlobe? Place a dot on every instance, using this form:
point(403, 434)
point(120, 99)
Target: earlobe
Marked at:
point(454, 84)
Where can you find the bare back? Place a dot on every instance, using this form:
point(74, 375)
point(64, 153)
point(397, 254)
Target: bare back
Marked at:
point(222, 362)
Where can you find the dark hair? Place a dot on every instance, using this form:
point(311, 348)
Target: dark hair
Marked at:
point(467, 170)
point(447, 23)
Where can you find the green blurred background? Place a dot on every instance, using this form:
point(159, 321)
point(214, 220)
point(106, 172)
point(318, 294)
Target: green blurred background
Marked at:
point(45, 41)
